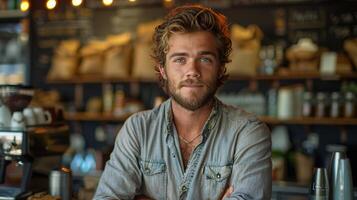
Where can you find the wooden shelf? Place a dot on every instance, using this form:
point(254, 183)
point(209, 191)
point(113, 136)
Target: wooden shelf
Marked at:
point(297, 76)
point(97, 79)
point(309, 121)
point(12, 14)
point(287, 76)
point(85, 116)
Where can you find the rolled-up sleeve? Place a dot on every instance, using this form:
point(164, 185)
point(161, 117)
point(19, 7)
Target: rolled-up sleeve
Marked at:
point(251, 175)
point(121, 178)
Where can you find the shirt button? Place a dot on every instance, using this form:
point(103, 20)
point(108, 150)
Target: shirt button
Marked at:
point(184, 188)
point(218, 175)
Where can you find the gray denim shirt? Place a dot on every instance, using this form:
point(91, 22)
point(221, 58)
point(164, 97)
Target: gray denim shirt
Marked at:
point(235, 151)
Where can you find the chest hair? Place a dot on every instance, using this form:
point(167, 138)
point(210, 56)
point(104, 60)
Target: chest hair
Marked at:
point(187, 149)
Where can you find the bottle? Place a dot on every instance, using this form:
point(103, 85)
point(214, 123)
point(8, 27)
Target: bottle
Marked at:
point(273, 100)
point(107, 98)
point(335, 105)
point(321, 104)
point(307, 105)
point(349, 106)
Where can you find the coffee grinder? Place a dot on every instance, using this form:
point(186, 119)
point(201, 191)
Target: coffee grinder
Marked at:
point(24, 145)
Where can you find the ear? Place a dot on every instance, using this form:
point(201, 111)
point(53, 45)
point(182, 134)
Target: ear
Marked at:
point(162, 72)
point(222, 70)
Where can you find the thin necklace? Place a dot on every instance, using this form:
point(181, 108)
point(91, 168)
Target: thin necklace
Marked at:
point(188, 142)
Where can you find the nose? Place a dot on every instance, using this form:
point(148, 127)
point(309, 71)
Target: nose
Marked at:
point(193, 70)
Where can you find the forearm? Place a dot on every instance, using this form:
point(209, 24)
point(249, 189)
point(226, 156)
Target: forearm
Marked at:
point(121, 178)
point(251, 175)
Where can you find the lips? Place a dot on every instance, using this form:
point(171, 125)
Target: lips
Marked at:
point(191, 83)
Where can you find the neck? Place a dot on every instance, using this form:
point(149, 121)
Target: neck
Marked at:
point(190, 123)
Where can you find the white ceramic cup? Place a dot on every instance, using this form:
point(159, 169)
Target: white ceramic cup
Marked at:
point(30, 117)
point(42, 116)
point(18, 120)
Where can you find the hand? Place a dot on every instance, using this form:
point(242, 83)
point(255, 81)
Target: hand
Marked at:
point(227, 192)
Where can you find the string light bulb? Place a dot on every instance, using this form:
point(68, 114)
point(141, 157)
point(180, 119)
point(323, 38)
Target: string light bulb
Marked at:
point(76, 3)
point(51, 4)
point(107, 2)
point(24, 5)
point(168, 3)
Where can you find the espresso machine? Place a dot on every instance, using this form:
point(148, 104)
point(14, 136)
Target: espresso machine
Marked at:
point(21, 147)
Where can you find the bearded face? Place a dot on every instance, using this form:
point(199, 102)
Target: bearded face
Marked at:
point(192, 69)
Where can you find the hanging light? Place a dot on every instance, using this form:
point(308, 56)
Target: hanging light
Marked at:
point(168, 3)
point(76, 3)
point(51, 4)
point(132, 0)
point(24, 5)
point(107, 2)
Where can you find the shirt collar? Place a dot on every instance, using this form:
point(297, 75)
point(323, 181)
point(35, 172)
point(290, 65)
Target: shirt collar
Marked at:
point(209, 125)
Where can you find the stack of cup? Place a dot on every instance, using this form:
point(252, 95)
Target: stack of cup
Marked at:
point(319, 189)
point(340, 177)
point(60, 183)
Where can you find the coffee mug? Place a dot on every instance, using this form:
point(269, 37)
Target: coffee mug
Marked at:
point(42, 116)
point(18, 120)
point(30, 117)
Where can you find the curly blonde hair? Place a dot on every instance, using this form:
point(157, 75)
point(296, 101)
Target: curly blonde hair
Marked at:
point(192, 18)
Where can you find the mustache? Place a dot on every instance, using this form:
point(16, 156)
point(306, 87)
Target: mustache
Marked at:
point(189, 82)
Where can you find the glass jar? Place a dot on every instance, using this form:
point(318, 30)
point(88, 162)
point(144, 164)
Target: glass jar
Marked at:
point(307, 105)
point(350, 105)
point(321, 104)
point(335, 110)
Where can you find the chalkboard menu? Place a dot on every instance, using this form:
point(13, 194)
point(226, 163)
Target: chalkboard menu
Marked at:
point(306, 22)
point(329, 25)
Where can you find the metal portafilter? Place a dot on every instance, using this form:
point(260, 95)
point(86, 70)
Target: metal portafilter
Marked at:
point(319, 189)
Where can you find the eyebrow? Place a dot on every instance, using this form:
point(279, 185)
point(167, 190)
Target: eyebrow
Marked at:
point(200, 53)
point(208, 53)
point(177, 54)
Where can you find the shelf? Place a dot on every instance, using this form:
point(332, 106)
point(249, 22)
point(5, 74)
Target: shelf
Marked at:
point(84, 116)
point(96, 79)
point(12, 14)
point(297, 76)
point(285, 76)
point(309, 121)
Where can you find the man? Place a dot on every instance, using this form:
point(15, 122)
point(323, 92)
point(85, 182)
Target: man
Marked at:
point(192, 146)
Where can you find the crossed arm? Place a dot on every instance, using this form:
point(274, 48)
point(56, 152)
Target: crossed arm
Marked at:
point(250, 179)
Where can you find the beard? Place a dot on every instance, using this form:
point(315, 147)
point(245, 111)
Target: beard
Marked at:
point(197, 99)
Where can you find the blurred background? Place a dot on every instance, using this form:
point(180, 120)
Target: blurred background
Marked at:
point(294, 64)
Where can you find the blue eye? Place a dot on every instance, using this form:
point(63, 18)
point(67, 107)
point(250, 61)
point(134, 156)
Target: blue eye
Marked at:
point(179, 60)
point(205, 59)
